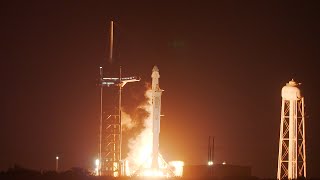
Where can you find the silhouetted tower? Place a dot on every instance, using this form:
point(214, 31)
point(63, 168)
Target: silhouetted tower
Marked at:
point(292, 144)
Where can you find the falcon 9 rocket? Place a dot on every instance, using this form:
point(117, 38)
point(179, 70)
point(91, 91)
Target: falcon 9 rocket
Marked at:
point(156, 109)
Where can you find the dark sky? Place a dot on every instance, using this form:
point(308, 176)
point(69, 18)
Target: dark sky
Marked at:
point(222, 66)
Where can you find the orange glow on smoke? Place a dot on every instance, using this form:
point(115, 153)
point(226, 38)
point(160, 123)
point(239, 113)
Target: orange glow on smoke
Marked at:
point(141, 145)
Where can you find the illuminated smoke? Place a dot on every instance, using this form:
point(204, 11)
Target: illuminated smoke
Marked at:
point(127, 122)
point(140, 147)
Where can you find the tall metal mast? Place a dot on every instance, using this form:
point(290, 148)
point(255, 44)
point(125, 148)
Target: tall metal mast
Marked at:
point(210, 154)
point(101, 119)
point(119, 108)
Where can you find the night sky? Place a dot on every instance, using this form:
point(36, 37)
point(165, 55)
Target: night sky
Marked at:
point(222, 66)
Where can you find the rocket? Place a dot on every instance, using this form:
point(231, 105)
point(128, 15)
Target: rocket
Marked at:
point(156, 109)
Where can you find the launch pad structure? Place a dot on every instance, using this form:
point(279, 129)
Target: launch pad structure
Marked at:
point(110, 138)
point(110, 129)
point(111, 162)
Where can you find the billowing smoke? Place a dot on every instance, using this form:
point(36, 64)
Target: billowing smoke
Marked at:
point(127, 122)
point(140, 146)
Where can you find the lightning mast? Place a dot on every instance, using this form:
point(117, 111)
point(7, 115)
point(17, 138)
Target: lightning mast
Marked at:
point(210, 154)
point(292, 144)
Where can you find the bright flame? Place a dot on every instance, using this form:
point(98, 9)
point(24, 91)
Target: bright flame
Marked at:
point(210, 163)
point(177, 167)
point(126, 168)
point(97, 163)
point(115, 173)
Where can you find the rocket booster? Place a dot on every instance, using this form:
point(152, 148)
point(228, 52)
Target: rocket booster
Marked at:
point(156, 109)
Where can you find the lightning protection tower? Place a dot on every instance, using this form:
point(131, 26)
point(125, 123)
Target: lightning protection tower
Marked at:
point(292, 144)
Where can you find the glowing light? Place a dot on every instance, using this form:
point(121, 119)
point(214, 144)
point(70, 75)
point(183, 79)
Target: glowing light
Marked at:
point(224, 163)
point(57, 157)
point(177, 167)
point(126, 168)
point(97, 163)
point(115, 173)
point(210, 163)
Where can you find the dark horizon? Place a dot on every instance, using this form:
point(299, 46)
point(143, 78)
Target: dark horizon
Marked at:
point(222, 66)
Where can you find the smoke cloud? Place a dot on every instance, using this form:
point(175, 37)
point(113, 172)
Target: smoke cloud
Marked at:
point(140, 146)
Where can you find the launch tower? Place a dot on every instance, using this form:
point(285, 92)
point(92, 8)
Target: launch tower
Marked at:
point(110, 137)
point(111, 129)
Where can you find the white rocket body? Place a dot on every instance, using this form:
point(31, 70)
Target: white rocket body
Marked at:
point(156, 109)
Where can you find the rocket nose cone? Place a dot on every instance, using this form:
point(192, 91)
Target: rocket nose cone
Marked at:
point(155, 68)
